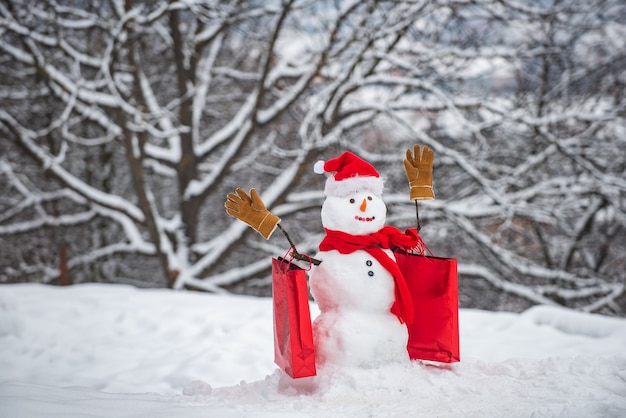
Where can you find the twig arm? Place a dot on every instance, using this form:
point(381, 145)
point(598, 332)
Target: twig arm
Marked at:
point(417, 213)
point(296, 254)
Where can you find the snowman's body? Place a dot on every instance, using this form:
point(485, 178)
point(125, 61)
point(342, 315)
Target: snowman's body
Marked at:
point(355, 292)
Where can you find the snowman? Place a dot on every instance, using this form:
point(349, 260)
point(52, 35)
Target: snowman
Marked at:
point(364, 301)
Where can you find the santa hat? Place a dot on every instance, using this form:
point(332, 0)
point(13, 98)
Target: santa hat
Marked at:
point(352, 175)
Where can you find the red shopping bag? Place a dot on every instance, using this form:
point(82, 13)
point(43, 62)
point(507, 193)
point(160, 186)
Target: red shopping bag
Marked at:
point(433, 284)
point(294, 351)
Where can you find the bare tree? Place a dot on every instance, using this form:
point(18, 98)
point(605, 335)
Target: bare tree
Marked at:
point(126, 123)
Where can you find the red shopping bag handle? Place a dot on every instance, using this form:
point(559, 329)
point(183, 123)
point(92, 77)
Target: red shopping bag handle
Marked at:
point(420, 248)
point(294, 254)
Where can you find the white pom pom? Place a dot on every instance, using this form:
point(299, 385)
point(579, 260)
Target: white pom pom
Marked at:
point(318, 168)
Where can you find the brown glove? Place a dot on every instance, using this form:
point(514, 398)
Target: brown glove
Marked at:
point(419, 171)
point(251, 210)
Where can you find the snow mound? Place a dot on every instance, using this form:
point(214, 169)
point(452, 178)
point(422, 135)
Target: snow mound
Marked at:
point(111, 351)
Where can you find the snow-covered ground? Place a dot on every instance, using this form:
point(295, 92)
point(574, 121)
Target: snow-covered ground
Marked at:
point(117, 351)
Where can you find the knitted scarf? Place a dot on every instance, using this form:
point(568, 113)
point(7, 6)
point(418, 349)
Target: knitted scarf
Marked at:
point(388, 238)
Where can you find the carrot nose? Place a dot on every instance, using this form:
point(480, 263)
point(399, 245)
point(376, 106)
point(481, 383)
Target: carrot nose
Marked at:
point(363, 205)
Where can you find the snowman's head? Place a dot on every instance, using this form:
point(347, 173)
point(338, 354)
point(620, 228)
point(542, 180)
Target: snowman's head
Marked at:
point(358, 213)
point(353, 195)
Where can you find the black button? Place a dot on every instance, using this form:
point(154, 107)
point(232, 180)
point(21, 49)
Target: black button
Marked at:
point(370, 273)
point(368, 263)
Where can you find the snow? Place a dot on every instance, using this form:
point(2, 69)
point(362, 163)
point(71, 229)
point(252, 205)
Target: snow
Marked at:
point(98, 350)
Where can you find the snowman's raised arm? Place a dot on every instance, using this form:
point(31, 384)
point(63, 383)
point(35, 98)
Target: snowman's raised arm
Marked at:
point(419, 171)
point(251, 210)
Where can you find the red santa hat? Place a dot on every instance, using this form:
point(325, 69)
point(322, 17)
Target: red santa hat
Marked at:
point(351, 175)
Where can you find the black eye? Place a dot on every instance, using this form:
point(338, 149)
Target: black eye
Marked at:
point(351, 200)
point(369, 197)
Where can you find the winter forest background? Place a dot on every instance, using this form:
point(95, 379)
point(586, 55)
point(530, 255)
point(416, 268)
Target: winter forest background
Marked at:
point(124, 124)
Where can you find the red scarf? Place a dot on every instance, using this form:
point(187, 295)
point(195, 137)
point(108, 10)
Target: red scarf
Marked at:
point(389, 238)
